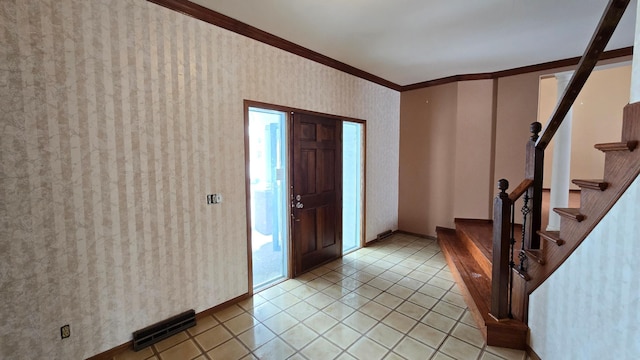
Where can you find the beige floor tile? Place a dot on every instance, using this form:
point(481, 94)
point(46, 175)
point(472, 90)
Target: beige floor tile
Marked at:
point(275, 349)
point(385, 335)
point(413, 349)
point(319, 283)
point(184, 350)
point(440, 356)
point(441, 283)
point(264, 311)
point(410, 283)
point(384, 263)
point(201, 357)
point(489, 356)
point(374, 270)
point(249, 357)
point(432, 291)
point(281, 322)
point(459, 349)
point(272, 292)
point(135, 355)
point(400, 291)
point(438, 321)
point(428, 335)
point(306, 277)
point(399, 322)
point(468, 319)
point(228, 313)
point(349, 283)
point(368, 291)
point(320, 300)
point(256, 336)
point(388, 300)
point(393, 356)
point(321, 349)
point(411, 310)
point(380, 283)
point(345, 356)
point(252, 302)
point(333, 276)
point(360, 322)
point(420, 276)
point(444, 308)
point(445, 274)
point(319, 271)
point(509, 354)
point(285, 301)
point(354, 300)
point(342, 335)
point(375, 310)
point(231, 350)
point(423, 300)
point(366, 348)
point(302, 310)
point(338, 310)
point(346, 270)
point(203, 324)
point(303, 291)
point(454, 299)
point(290, 284)
point(297, 357)
point(402, 270)
point(390, 276)
point(171, 341)
point(363, 276)
point(468, 334)
point(320, 322)
point(241, 323)
point(299, 336)
point(213, 337)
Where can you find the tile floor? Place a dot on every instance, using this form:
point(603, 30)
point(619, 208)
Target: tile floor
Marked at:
point(395, 299)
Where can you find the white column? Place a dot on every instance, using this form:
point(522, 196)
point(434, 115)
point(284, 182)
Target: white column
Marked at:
point(635, 67)
point(559, 196)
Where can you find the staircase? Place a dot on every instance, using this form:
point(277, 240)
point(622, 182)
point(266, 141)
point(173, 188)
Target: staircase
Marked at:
point(469, 247)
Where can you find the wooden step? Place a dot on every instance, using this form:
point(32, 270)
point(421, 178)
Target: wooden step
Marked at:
point(477, 236)
point(553, 236)
point(617, 146)
point(595, 184)
point(476, 290)
point(535, 255)
point(570, 213)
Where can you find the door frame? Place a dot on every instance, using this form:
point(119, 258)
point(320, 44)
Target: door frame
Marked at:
point(288, 110)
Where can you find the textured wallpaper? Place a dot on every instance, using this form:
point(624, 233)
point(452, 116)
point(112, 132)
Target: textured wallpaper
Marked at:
point(117, 118)
point(588, 308)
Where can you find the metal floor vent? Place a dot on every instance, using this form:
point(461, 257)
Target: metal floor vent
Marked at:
point(163, 329)
point(384, 234)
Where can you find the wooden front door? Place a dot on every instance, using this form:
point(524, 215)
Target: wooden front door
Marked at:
point(316, 196)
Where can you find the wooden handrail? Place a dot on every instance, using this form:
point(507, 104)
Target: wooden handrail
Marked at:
point(599, 40)
point(520, 189)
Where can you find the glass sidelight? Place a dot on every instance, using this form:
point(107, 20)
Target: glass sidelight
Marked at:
point(268, 192)
point(353, 185)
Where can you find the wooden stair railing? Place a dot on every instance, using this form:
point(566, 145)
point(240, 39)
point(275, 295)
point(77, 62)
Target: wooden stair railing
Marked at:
point(511, 285)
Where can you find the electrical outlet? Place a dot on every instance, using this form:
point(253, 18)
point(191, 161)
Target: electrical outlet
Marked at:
point(65, 331)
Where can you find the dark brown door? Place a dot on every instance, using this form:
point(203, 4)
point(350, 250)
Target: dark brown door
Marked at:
point(316, 197)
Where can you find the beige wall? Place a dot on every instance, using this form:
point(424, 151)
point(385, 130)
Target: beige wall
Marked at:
point(427, 155)
point(597, 118)
point(588, 308)
point(117, 118)
point(445, 155)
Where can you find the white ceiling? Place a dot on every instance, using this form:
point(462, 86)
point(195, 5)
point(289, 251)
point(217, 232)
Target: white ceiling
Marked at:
point(410, 41)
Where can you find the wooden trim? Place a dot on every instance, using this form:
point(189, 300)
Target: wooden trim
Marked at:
point(607, 55)
point(215, 18)
point(111, 353)
point(424, 236)
point(520, 189)
point(532, 354)
point(599, 40)
point(247, 183)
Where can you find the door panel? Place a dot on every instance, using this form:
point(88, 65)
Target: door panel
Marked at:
point(316, 205)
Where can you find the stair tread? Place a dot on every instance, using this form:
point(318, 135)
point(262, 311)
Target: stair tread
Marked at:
point(596, 184)
point(617, 146)
point(536, 255)
point(475, 284)
point(553, 236)
point(571, 213)
point(479, 232)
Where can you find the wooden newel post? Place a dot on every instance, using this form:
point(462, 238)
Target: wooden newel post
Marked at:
point(501, 245)
point(535, 171)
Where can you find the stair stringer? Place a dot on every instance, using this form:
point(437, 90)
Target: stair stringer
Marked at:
point(621, 169)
